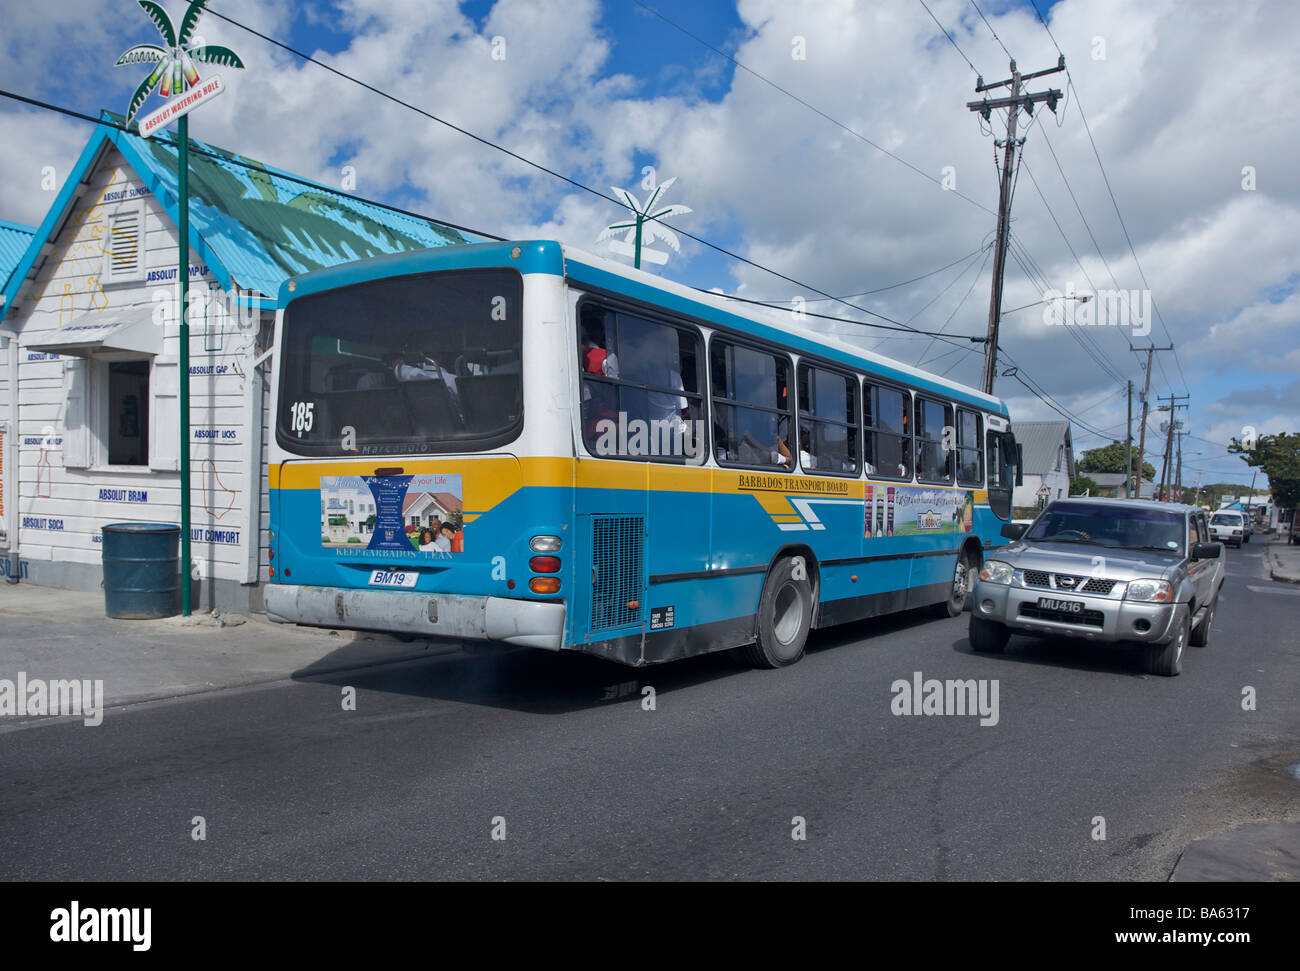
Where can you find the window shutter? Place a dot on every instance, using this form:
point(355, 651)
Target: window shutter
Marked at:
point(123, 250)
point(76, 415)
point(164, 418)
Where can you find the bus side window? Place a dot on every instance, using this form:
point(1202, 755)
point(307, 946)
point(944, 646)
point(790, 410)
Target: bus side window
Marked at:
point(641, 379)
point(970, 459)
point(934, 462)
point(888, 438)
point(828, 421)
point(751, 406)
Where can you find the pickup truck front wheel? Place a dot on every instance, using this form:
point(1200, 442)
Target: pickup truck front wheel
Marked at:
point(988, 636)
point(1201, 634)
point(1166, 660)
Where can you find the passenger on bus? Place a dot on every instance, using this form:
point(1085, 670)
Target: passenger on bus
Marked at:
point(595, 358)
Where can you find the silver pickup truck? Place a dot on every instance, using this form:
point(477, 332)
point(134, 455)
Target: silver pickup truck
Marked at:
point(1113, 570)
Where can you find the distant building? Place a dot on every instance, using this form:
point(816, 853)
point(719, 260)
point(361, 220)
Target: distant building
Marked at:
point(1048, 461)
point(1111, 485)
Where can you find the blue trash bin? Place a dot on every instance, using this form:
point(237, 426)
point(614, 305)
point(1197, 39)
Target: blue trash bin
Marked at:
point(141, 570)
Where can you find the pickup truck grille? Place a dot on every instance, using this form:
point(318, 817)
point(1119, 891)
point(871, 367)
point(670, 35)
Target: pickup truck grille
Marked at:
point(1066, 581)
point(1087, 618)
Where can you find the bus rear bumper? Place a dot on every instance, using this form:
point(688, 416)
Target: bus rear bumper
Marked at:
point(521, 622)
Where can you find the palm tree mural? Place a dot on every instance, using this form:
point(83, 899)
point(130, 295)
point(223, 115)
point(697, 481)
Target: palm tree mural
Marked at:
point(644, 227)
point(175, 70)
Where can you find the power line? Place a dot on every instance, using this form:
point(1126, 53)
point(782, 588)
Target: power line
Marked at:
point(229, 160)
point(574, 182)
point(1107, 365)
point(961, 303)
point(892, 286)
point(785, 308)
point(811, 107)
point(1111, 192)
point(991, 30)
point(948, 36)
point(107, 122)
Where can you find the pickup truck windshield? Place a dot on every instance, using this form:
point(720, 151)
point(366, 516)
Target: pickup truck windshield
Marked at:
point(412, 364)
point(1114, 527)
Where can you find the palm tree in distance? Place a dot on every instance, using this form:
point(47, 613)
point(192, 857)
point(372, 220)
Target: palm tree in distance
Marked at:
point(175, 71)
point(645, 227)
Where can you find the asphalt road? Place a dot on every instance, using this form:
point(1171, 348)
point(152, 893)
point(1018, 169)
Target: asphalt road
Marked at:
point(590, 785)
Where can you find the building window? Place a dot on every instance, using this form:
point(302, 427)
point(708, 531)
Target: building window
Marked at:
point(124, 244)
point(128, 413)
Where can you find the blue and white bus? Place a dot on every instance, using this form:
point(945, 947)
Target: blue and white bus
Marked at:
point(523, 443)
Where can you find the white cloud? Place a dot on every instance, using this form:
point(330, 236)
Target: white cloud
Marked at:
point(1186, 96)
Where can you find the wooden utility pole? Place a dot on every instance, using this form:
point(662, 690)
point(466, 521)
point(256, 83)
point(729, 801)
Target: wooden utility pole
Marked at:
point(1142, 428)
point(1013, 104)
point(1167, 463)
point(1128, 448)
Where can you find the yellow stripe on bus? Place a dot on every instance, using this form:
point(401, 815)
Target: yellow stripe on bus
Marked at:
point(490, 479)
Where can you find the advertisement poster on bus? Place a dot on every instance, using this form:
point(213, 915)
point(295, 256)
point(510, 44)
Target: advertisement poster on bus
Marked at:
point(395, 514)
point(906, 510)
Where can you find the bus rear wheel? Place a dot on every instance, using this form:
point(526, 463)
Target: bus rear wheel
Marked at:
point(784, 616)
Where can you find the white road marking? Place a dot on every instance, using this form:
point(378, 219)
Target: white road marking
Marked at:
point(1285, 591)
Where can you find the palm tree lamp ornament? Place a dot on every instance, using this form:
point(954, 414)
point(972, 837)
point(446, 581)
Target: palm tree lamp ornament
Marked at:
point(644, 226)
point(174, 75)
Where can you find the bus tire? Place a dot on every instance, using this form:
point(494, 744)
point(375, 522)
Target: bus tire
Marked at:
point(785, 612)
point(963, 581)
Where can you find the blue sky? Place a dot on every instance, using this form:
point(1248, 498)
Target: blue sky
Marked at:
point(1183, 99)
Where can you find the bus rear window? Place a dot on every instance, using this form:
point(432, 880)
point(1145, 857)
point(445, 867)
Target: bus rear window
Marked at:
point(414, 364)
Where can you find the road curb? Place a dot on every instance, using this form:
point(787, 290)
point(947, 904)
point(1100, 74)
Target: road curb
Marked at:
point(1273, 570)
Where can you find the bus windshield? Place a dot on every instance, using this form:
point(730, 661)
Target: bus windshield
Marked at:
point(412, 364)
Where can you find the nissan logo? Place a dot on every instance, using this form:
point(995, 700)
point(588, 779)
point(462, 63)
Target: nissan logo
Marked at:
point(1065, 581)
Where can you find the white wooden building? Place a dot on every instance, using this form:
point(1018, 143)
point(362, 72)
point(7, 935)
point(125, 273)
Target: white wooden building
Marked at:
point(89, 351)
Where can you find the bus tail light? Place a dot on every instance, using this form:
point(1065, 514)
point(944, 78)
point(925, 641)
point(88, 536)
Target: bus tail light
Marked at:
point(544, 544)
point(544, 564)
point(544, 584)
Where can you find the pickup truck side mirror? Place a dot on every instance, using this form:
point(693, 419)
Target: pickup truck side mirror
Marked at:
point(1204, 551)
point(1016, 530)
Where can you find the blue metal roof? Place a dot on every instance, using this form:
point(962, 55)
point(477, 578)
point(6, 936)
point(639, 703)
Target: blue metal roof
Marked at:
point(14, 240)
point(253, 225)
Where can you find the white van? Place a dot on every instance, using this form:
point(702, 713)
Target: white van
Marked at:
point(1228, 526)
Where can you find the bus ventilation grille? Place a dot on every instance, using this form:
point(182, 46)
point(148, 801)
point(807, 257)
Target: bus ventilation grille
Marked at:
point(616, 558)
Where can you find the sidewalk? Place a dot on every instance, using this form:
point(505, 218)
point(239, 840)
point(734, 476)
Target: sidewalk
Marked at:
point(52, 634)
point(1283, 561)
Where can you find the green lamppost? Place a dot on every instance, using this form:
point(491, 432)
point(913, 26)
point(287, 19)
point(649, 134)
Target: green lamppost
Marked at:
point(175, 76)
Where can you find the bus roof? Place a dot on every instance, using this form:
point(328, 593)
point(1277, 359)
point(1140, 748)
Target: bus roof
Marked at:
point(553, 257)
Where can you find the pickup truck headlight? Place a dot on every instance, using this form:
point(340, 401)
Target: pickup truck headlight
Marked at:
point(995, 571)
point(1149, 591)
